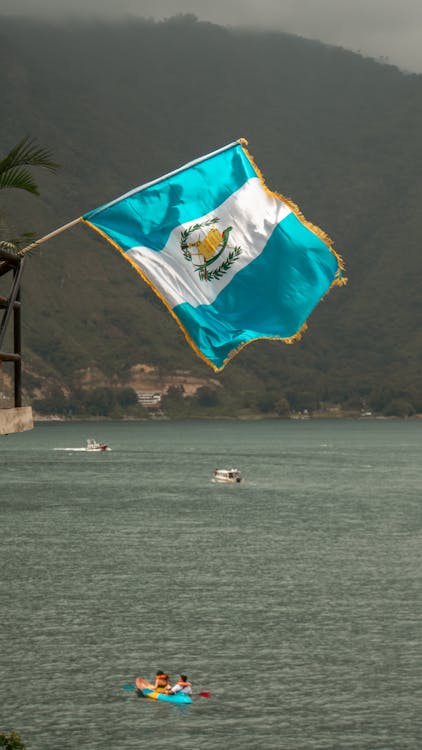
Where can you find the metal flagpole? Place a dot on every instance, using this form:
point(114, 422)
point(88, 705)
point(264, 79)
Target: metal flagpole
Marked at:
point(39, 242)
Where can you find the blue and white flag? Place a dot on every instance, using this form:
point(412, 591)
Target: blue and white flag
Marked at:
point(231, 260)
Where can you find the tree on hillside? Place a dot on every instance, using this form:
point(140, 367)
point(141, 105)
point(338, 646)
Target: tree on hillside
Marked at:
point(15, 173)
point(11, 741)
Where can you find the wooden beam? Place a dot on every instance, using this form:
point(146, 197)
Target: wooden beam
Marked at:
point(9, 357)
point(11, 258)
point(4, 302)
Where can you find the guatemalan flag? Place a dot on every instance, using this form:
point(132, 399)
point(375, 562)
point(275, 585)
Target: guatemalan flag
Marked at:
point(231, 260)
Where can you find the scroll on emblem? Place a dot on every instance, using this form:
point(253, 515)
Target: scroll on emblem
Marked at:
point(209, 245)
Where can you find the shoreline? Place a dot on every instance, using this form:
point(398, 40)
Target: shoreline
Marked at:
point(248, 418)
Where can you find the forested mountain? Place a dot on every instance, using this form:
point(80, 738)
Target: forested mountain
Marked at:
point(120, 104)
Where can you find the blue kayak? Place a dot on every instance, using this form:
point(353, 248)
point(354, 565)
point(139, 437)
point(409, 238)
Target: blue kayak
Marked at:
point(146, 689)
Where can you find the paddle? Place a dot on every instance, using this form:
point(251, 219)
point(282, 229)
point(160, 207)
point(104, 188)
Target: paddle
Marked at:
point(202, 694)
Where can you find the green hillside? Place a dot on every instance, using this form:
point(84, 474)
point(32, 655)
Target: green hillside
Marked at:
point(120, 104)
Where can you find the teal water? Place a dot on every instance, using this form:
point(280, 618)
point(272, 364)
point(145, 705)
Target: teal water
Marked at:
point(295, 598)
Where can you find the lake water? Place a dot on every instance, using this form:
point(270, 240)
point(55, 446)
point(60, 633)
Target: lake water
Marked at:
point(295, 597)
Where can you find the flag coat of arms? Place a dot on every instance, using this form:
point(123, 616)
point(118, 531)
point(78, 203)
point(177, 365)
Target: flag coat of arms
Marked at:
point(231, 260)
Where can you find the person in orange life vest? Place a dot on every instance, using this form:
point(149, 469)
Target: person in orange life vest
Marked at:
point(182, 686)
point(162, 684)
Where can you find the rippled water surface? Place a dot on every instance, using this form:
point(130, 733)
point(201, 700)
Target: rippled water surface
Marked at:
point(295, 598)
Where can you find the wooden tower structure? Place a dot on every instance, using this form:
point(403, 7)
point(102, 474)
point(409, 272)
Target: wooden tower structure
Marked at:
point(17, 418)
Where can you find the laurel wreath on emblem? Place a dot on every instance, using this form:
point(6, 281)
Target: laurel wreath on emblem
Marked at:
point(206, 274)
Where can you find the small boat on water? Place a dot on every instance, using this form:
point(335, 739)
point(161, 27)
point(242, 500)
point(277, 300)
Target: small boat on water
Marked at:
point(147, 690)
point(92, 445)
point(227, 476)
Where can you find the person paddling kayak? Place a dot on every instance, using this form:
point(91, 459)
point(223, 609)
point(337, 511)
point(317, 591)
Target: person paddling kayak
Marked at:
point(182, 686)
point(162, 684)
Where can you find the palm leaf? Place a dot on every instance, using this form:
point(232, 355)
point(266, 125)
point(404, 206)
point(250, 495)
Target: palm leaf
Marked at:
point(14, 170)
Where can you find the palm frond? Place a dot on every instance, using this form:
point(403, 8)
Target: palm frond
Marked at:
point(18, 178)
point(13, 168)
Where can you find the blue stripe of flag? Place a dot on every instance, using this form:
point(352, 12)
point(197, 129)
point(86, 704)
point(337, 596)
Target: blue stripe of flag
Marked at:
point(147, 216)
point(270, 298)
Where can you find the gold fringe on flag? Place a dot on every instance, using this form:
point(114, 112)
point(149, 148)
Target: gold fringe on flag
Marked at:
point(340, 280)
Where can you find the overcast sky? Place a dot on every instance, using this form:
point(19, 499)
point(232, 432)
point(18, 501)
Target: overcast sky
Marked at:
point(378, 28)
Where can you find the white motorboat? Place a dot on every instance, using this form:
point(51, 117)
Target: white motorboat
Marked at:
point(93, 445)
point(227, 476)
